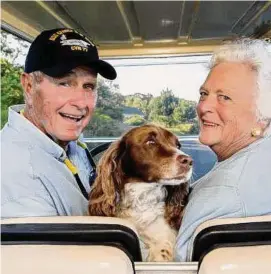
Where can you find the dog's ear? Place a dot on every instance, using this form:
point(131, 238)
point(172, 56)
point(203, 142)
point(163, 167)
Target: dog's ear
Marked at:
point(109, 182)
point(176, 201)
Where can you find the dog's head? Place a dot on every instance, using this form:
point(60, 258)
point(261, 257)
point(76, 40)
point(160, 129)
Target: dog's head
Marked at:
point(151, 154)
point(144, 154)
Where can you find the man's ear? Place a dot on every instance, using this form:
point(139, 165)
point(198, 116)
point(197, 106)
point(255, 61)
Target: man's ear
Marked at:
point(28, 86)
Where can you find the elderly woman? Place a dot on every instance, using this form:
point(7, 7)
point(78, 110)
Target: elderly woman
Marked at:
point(234, 113)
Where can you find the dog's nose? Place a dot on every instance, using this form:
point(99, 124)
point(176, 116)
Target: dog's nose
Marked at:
point(185, 160)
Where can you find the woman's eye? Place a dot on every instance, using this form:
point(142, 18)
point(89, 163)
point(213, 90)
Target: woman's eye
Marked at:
point(224, 97)
point(203, 94)
point(178, 145)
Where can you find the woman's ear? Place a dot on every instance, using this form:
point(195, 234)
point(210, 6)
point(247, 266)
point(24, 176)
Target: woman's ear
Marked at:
point(258, 130)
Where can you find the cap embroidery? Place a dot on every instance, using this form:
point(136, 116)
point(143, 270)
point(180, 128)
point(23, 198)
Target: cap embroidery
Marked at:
point(63, 37)
point(75, 42)
point(54, 36)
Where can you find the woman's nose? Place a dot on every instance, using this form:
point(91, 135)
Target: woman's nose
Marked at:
point(206, 105)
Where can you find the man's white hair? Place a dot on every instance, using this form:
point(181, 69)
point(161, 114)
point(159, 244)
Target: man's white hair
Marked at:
point(37, 77)
point(255, 53)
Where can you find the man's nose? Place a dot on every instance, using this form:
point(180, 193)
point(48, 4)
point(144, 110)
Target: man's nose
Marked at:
point(79, 98)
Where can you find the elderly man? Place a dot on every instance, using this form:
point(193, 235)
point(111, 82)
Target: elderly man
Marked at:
point(46, 170)
point(234, 115)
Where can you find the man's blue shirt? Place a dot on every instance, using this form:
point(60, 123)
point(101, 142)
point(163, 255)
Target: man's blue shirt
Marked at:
point(35, 180)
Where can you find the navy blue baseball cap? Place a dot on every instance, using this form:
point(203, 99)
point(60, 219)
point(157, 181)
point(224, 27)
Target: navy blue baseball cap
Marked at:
point(56, 52)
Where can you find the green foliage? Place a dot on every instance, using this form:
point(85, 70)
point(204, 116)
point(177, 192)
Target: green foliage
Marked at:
point(140, 101)
point(185, 111)
point(103, 125)
point(108, 116)
point(194, 129)
point(181, 129)
point(110, 101)
point(11, 90)
point(168, 101)
point(163, 105)
point(135, 120)
point(167, 110)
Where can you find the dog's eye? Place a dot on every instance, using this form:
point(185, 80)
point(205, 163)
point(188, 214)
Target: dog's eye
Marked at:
point(150, 142)
point(178, 145)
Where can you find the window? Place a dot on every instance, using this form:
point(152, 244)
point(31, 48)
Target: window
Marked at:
point(162, 90)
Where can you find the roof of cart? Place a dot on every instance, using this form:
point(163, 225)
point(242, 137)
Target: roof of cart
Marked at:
point(134, 28)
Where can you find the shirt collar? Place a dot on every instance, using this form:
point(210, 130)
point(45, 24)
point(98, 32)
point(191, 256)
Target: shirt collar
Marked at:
point(31, 134)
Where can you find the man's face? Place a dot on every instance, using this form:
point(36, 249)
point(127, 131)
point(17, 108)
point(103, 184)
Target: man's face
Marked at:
point(227, 106)
point(62, 107)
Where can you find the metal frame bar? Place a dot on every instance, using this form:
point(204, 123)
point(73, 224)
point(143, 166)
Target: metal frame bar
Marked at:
point(193, 20)
point(242, 24)
point(8, 23)
point(52, 13)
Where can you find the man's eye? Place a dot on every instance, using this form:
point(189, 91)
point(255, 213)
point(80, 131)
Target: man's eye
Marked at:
point(64, 84)
point(90, 86)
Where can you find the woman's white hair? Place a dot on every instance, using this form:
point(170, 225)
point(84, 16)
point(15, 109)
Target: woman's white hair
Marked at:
point(257, 54)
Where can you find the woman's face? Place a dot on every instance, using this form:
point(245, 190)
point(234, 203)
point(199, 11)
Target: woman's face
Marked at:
point(227, 108)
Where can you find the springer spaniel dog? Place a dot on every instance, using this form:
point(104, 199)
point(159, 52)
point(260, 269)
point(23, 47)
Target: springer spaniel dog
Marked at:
point(143, 178)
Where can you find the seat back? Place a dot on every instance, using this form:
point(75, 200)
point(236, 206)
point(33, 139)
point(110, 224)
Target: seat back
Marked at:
point(231, 232)
point(68, 259)
point(72, 231)
point(237, 260)
point(99, 242)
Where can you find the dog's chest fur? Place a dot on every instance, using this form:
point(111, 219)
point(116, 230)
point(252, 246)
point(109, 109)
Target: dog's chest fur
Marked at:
point(144, 205)
point(143, 202)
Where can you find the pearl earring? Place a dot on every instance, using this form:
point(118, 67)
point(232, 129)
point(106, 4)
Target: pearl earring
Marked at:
point(256, 132)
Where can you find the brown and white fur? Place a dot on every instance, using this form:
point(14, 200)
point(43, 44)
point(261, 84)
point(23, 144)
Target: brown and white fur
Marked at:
point(143, 178)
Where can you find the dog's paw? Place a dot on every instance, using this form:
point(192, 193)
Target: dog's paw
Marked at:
point(162, 255)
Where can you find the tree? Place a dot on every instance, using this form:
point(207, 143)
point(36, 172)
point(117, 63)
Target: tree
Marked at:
point(108, 116)
point(12, 53)
point(103, 125)
point(195, 128)
point(185, 111)
point(140, 101)
point(162, 108)
point(110, 101)
point(135, 120)
point(11, 90)
point(190, 111)
point(169, 102)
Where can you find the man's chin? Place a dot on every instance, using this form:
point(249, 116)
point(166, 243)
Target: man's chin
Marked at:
point(66, 138)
